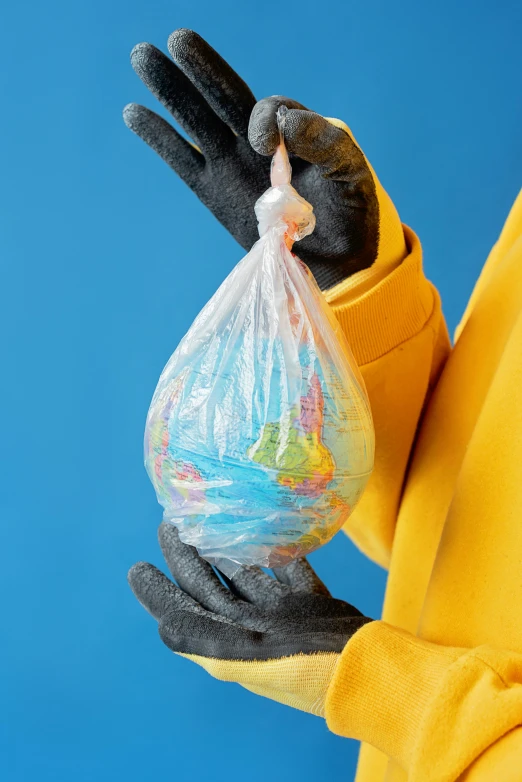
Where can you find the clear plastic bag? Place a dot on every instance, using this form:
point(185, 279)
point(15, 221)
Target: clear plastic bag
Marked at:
point(259, 439)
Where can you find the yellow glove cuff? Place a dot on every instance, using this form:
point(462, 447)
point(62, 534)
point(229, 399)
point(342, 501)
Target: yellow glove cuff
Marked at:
point(300, 681)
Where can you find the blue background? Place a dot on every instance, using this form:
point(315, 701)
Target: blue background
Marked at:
point(106, 258)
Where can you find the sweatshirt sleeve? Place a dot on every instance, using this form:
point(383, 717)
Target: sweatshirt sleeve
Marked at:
point(442, 713)
point(393, 321)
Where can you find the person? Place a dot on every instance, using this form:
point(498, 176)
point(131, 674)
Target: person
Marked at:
point(434, 689)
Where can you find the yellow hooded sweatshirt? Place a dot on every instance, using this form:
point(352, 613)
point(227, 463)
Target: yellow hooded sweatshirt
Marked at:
point(435, 689)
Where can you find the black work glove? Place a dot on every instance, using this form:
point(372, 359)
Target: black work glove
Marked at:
point(280, 638)
point(236, 136)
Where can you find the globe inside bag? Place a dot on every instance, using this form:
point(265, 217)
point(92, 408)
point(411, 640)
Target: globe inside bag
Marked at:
point(259, 439)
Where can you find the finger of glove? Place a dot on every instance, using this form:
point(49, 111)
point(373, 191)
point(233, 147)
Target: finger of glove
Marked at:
point(263, 132)
point(301, 577)
point(208, 636)
point(186, 161)
point(156, 593)
point(260, 589)
point(314, 139)
point(179, 96)
point(223, 89)
point(197, 577)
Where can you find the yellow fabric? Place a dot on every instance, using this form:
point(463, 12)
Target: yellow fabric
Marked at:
point(436, 687)
point(300, 681)
point(402, 309)
point(434, 709)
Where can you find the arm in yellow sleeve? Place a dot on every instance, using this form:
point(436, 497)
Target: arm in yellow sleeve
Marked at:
point(398, 335)
point(442, 713)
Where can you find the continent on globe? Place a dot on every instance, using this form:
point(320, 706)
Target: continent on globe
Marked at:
point(294, 447)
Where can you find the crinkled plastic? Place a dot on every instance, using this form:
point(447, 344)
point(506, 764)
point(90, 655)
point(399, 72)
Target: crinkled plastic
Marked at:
point(259, 439)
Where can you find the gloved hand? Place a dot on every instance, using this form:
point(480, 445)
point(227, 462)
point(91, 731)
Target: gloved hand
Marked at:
point(356, 221)
point(278, 638)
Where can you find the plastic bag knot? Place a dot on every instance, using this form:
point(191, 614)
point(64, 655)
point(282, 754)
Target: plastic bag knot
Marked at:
point(282, 207)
